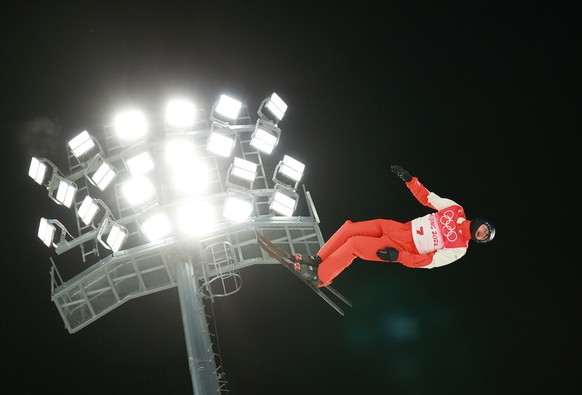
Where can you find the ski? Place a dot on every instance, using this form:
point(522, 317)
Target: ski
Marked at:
point(306, 273)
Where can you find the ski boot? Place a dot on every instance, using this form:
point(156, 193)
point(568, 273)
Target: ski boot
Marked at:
point(309, 260)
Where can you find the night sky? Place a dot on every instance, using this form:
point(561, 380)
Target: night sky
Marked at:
point(481, 102)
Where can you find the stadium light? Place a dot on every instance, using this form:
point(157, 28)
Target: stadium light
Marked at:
point(139, 191)
point(104, 174)
point(138, 160)
point(238, 207)
point(155, 224)
point(82, 144)
point(242, 169)
point(220, 144)
point(180, 114)
point(189, 172)
point(196, 217)
point(275, 108)
point(88, 210)
point(47, 229)
point(265, 136)
point(130, 125)
point(291, 170)
point(111, 235)
point(38, 169)
point(283, 201)
point(62, 191)
point(225, 109)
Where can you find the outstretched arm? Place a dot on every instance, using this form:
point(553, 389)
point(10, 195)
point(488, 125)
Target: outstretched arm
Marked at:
point(423, 195)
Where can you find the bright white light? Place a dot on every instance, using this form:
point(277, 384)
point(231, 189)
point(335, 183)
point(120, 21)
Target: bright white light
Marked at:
point(46, 232)
point(116, 234)
point(292, 168)
point(138, 190)
point(66, 192)
point(81, 144)
point(37, 170)
point(189, 173)
point(116, 237)
point(180, 113)
point(103, 176)
point(130, 125)
point(196, 218)
point(228, 107)
point(192, 178)
point(237, 209)
point(263, 140)
point(277, 106)
point(88, 210)
point(220, 144)
point(140, 163)
point(156, 226)
point(283, 204)
point(180, 152)
point(244, 169)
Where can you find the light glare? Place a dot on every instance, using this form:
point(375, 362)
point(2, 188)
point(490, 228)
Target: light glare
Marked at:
point(140, 163)
point(138, 190)
point(180, 113)
point(156, 226)
point(237, 209)
point(220, 144)
point(130, 125)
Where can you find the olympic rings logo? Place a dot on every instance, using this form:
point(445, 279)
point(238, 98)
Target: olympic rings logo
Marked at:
point(446, 220)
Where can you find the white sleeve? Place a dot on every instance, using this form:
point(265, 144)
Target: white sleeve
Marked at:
point(438, 202)
point(445, 256)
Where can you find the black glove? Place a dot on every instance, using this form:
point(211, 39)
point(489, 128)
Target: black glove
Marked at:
point(389, 254)
point(400, 172)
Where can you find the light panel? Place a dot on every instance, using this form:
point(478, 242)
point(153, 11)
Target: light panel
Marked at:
point(115, 234)
point(189, 173)
point(237, 208)
point(292, 168)
point(88, 210)
point(37, 170)
point(283, 204)
point(156, 226)
point(116, 237)
point(228, 107)
point(196, 218)
point(244, 169)
point(103, 176)
point(81, 144)
point(265, 137)
point(276, 106)
point(180, 113)
point(140, 163)
point(130, 125)
point(66, 192)
point(138, 190)
point(220, 144)
point(46, 232)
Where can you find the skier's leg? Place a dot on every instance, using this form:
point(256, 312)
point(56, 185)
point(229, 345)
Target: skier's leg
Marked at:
point(371, 228)
point(364, 247)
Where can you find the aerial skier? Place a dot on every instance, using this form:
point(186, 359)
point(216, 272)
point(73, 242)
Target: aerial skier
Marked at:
point(430, 241)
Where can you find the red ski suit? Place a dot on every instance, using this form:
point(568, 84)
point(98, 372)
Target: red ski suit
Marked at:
point(433, 240)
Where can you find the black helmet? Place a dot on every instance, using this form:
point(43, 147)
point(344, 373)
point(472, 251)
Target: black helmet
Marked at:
point(476, 223)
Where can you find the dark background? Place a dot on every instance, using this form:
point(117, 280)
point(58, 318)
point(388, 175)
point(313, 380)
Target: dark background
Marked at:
point(479, 101)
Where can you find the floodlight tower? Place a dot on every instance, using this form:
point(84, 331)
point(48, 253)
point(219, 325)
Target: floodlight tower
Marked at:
point(184, 202)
